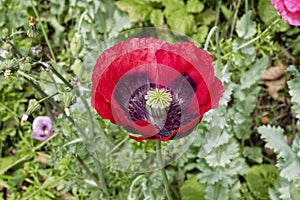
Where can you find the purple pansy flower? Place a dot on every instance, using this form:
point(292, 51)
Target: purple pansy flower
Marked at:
point(42, 128)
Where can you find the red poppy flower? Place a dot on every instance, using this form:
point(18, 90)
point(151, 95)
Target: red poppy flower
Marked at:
point(289, 10)
point(155, 89)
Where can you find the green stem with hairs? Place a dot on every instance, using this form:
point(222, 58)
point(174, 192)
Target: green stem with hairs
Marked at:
point(259, 36)
point(210, 34)
point(88, 171)
point(163, 171)
point(43, 30)
point(100, 176)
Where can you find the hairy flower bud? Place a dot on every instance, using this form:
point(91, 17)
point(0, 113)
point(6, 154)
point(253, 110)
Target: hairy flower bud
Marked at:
point(76, 44)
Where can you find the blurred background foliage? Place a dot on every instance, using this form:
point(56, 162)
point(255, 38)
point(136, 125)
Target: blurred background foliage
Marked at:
point(247, 148)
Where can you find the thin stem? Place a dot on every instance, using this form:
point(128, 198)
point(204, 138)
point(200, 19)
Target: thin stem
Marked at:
point(210, 34)
point(48, 97)
point(100, 176)
point(65, 81)
point(44, 32)
point(43, 94)
point(218, 36)
point(80, 21)
point(87, 170)
point(217, 13)
point(259, 36)
point(118, 145)
point(234, 19)
point(218, 50)
point(163, 171)
point(247, 18)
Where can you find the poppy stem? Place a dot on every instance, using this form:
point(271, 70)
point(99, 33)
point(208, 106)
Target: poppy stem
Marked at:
point(210, 34)
point(163, 171)
point(43, 30)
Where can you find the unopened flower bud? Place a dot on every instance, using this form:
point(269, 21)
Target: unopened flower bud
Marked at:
point(32, 31)
point(33, 106)
point(67, 111)
point(24, 119)
point(31, 21)
point(69, 99)
point(76, 44)
point(77, 67)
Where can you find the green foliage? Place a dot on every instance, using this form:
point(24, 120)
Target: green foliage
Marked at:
point(191, 18)
point(245, 27)
point(260, 179)
point(288, 158)
point(251, 77)
point(294, 86)
point(191, 189)
point(266, 11)
point(226, 161)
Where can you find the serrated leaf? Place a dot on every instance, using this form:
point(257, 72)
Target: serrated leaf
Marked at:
point(235, 191)
point(282, 190)
point(194, 6)
point(245, 27)
point(222, 155)
point(157, 18)
point(217, 192)
point(288, 162)
point(207, 17)
point(253, 153)
point(251, 76)
point(137, 10)
point(201, 34)
point(294, 86)
point(191, 189)
point(213, 139)
point(179, 20)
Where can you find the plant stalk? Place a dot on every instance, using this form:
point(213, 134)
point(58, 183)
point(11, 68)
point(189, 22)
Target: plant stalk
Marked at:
point(163, 171)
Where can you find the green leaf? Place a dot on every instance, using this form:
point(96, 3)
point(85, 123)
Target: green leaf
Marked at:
point(191, 189)
point(222, 155)
point(294, 86)
point(253, 153)
point(260, 178)
point(206, 18)
point(217, 192)
point(157, 18)
point(138, 10)
point(201, 34)
point(57, 7)
point(288, 161)
point(251, 76)
point(226, 12)
point(6, 162)
point(179, 20)
point(194, 6)
point(266, 11)
point(245, 27)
